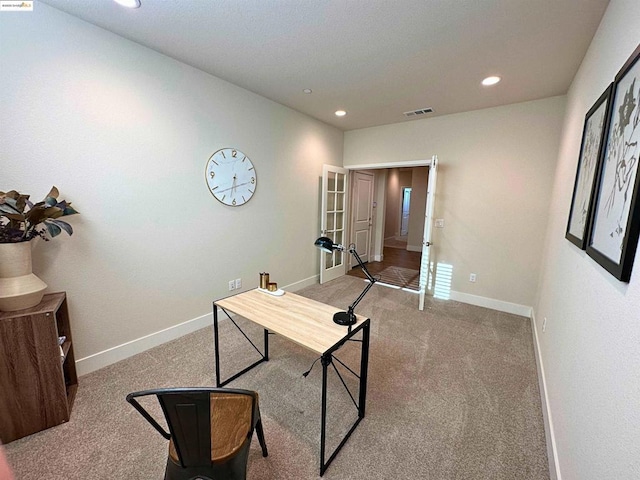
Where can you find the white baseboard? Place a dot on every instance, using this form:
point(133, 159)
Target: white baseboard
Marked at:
point(112, 355)
point(552, 451)
point(307, 282)
point(500, 305)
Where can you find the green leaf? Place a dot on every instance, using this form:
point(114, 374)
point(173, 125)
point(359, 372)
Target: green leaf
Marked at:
point(53, 229)
point(63, 225)
point(8, 208)
point(69, 210)
point(50, 201)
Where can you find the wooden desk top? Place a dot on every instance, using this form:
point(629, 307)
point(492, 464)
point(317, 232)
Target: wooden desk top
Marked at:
point(307, 322)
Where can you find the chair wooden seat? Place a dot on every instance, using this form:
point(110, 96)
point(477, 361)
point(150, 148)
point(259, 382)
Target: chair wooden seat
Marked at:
point(210, 430)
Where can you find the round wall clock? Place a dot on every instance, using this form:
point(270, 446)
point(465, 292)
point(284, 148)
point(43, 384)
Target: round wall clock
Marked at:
point(231, 177)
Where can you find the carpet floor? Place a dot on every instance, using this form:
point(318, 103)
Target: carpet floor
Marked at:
point(453, 394)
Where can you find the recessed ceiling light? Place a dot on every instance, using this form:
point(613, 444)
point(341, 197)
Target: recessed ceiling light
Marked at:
point(490, 81)
point(340, 113)
point(307, 90)
point(129, 3)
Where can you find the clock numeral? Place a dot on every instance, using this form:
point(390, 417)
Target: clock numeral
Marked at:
point(213, 174)
point(253, 180)
point(234, 153)
point(234, 202)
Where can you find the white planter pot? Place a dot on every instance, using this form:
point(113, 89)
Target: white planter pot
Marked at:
point(19, 287)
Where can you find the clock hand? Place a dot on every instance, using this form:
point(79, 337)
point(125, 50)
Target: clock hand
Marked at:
point(233, 186)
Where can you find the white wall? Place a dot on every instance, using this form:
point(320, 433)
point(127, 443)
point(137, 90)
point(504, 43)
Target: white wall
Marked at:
point(124, 132)
point(494, 185)
point(591, 346)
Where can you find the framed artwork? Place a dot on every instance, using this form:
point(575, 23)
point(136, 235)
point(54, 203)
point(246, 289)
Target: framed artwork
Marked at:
point(590, 152)
point(615, 223)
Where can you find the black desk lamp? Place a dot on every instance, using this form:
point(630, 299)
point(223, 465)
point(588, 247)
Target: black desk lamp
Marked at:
point(326, 244)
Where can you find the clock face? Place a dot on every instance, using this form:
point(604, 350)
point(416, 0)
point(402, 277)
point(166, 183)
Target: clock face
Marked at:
point(231, 177)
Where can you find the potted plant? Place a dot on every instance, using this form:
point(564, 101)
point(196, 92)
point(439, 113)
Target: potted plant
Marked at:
point(20, 222)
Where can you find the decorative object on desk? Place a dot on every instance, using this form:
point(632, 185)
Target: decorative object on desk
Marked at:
point(615, 224)
point(231, 177)
point(326, 244)
point(590, 151)
point(264, 280)
point(272, 286)
point(20, 222)
point(276, 293)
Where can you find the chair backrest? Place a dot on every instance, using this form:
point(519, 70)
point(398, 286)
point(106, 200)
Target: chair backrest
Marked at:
point(191, 413)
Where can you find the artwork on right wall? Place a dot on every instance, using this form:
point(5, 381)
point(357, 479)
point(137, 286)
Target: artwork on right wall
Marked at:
point(594, 127)
point(615, 218)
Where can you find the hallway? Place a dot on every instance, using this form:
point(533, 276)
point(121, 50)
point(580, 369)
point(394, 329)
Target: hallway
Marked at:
point(400, 267)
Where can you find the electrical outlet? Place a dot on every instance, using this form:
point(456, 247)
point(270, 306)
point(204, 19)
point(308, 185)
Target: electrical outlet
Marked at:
point(232, 285)
point(439, 223)
point(238, 283)
point(472, 277)
point(544, 324)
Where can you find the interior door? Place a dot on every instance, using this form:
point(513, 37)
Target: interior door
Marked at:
point(332, 223)
point(362, 209)
point(425, 262)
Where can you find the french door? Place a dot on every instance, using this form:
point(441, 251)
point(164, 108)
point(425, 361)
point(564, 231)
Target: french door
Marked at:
point(334, 202)
point(426, 271)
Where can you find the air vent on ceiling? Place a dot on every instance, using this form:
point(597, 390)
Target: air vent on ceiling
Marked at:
point(417, 113)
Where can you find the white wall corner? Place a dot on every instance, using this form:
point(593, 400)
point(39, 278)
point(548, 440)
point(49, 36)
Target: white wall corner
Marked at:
point(552, 452)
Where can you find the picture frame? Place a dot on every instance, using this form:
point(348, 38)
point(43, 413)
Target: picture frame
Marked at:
point(615, 220)
point(595, 124)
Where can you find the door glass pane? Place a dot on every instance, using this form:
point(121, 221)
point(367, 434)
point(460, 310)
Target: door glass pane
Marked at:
point(331, 182)
point(331, 202)
point(338, 259)
point(339, 220)
point(340, 182)
point(337, 237)
point(339, 201)
point(331, 221)
point(328, 259)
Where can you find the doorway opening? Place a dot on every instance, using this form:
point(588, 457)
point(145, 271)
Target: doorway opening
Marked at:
point(398, 226)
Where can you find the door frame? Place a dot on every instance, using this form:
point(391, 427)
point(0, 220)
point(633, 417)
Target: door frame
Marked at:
point(385, 165)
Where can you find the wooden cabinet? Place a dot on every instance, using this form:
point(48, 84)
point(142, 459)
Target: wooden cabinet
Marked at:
point(38, 380)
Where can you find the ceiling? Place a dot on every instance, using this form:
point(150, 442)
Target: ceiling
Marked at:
point(373, 58)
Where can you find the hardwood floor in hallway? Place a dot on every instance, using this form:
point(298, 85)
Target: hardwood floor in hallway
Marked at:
point(399, 267)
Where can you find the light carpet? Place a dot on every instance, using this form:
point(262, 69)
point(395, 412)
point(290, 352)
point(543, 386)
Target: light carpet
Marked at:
point(453, 394)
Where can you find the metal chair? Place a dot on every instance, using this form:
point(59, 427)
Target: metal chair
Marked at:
point(210, 430)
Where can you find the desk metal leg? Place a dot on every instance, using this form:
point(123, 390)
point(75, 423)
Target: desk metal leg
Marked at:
point(327, 359)
point(364, 367)
point(264, 357)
